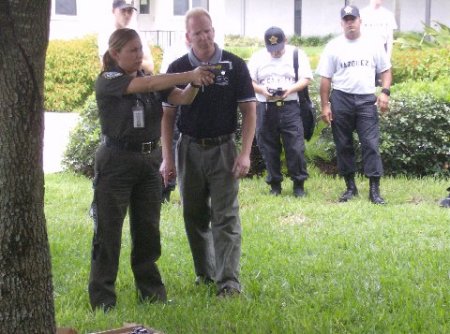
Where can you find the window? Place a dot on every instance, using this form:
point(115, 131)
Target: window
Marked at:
point(180, 7)
point(144, 7)
point(201, 3)
point(66, 7)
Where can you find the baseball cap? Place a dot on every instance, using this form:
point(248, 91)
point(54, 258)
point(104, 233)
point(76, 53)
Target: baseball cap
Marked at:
point(121, 4)
point(349, 11)
point(274, 39)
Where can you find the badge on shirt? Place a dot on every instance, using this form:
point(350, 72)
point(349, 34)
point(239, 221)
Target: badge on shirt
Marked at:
point(112, 75)
point(138, 115)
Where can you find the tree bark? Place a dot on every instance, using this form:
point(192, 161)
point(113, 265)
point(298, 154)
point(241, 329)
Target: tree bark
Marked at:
point(26, 292)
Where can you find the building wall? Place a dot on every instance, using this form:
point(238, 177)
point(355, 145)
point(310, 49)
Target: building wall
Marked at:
point(91, 15)
point(413, 16)
point(321, 17)
point(158, 25)
point(263, 14)
point(242, 17)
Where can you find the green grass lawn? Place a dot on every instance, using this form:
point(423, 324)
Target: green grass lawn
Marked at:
point(308, 265)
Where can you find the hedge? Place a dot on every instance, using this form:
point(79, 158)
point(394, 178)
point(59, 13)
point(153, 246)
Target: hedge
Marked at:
point(70, 71)
point(420, 64)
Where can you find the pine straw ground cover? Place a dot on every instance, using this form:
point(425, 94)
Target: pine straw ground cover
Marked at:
point(308, 265)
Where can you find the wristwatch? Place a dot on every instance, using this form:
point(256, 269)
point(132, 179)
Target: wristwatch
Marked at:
point(386, 91)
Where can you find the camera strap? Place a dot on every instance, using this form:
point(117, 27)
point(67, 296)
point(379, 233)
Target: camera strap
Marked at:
point(303, 94)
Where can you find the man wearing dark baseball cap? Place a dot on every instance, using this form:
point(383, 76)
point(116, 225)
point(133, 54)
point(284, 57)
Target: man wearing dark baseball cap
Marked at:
point(278, 112)
point(123, 4)
point(274, 39)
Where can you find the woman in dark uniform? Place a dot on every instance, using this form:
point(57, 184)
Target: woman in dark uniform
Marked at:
point(127, 167)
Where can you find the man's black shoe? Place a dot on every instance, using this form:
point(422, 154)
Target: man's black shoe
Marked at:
point(104, 307)
point(348, 195)
point(228, 292)
point(275, 189)
point(203, 280)
point(153, 295)
point(299, 190)
point(374, 191)
point(351, 190)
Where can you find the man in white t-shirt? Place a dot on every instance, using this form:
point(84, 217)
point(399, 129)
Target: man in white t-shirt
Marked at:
point(123, 12)
point(347, 68)
point(378, 22)
point(278, 111)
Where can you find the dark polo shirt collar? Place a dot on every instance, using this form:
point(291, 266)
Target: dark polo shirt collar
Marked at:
point(195, 62)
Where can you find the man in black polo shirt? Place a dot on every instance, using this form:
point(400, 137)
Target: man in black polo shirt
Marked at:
point(208, 163)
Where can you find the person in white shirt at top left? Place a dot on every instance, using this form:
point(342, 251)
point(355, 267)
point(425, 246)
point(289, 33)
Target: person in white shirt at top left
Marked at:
point(379, 22)
point(124, 17)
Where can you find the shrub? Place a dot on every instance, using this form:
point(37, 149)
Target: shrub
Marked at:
point(422, 56)
point(157, 54)
point(420, 64)
point(438, 88)
point(84, 140)
point(310, 40)
point(415, 137)
point(437, 36)
point(70, 71)
point(242, 41)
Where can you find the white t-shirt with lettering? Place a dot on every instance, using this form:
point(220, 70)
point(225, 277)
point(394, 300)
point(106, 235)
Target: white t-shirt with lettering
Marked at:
point(352, 64)
point(378, 23)
point(277, 73)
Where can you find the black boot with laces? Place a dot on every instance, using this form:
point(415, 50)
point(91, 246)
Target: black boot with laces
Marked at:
point(374, 191)
point(351, 190)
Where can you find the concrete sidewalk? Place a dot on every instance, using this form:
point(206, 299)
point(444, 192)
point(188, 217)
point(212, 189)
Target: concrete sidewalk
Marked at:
point(56, 137)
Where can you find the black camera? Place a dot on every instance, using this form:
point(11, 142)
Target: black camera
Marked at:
point(276, 92)
point(221, 67)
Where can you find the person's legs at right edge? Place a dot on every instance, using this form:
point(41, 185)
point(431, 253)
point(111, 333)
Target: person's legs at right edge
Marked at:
point(445, 203)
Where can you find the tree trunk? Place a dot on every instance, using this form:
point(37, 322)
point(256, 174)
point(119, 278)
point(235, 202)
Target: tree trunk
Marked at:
point(26, 292)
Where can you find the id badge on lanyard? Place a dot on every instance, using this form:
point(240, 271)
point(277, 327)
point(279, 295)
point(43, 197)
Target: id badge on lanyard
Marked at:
point(138, 115)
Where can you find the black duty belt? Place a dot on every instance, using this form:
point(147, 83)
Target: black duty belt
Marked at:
point(146, 147)
point(280, 103)
point(213, 141)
